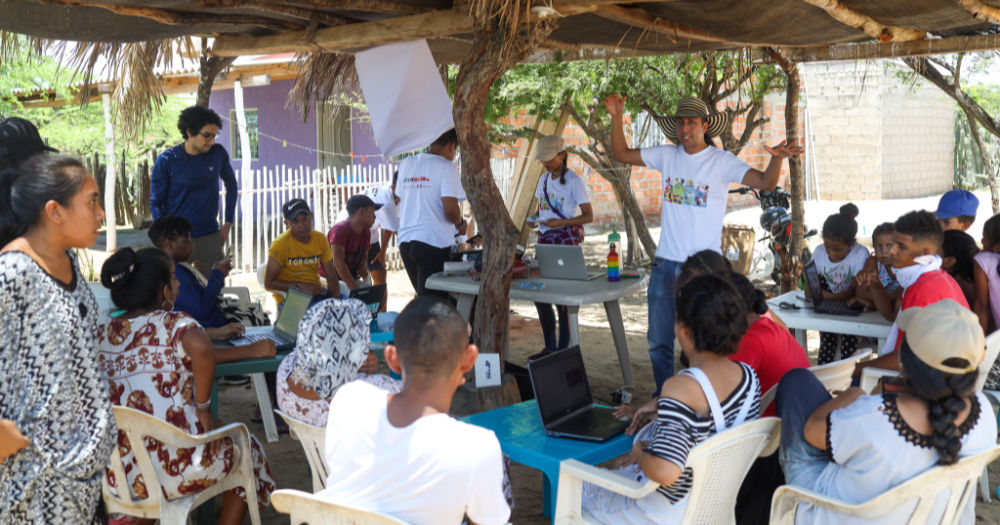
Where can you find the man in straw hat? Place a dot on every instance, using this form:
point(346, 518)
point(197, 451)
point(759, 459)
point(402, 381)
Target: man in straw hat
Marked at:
point(696, 178)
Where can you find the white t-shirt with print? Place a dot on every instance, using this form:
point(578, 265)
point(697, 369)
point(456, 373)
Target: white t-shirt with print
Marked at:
point(433, 471)
point(839, 275)
point(695, 189)
point(566, 197)
point(386, 217)
point(423, 180)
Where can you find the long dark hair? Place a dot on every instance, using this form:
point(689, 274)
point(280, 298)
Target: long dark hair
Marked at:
point(961, 246)
point(25, 190)
point(945, 396)
point(714, 312)
point(135, 278)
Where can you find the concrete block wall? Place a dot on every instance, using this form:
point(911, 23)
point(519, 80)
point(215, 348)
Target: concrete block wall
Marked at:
point(873, 135)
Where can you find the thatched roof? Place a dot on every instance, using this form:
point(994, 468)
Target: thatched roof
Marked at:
point(585, 28)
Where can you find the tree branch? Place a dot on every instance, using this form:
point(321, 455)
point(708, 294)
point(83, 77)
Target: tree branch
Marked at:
point(922, 66)
point(869, 25)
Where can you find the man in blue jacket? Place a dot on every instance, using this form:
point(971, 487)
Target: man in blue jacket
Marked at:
point(185, 183)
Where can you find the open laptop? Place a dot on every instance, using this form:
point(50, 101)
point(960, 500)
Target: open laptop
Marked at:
point(564, 401)
point(556, 261)
point(826, 306)
point(372, 296)
point(285, 328)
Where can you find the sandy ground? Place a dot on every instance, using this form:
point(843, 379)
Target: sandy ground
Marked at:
point(288, 462)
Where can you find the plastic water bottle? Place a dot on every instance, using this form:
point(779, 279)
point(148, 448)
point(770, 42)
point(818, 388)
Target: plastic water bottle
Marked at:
point(614, 265)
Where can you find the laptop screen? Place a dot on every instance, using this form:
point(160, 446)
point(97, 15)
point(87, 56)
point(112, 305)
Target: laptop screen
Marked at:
point(370, 295)
point(292, 310)
point(812, 281)
point(560, 383)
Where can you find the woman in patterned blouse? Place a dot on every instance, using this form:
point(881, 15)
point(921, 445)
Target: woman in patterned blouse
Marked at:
point(50, 387)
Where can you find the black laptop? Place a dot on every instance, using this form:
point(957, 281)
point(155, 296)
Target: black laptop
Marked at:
point(372, 296)
point(827, 306)
point(564, 401)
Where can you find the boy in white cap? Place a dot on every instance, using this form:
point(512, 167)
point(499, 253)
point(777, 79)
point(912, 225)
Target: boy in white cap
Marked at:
point(696, 178)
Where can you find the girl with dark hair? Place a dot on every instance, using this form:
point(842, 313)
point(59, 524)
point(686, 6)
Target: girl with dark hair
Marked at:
point(710, 322)
point(838, 260)
point(854, 447)
point(986, 281)
point(560, 193)
point(51, 387)
point(162, 363)
point(958, 253)
point(769, 348)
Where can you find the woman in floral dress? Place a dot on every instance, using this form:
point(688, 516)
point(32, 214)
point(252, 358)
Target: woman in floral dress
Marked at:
point(162, 363)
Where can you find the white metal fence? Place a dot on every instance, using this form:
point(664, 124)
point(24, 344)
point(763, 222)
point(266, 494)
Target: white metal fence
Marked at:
point(263, 191)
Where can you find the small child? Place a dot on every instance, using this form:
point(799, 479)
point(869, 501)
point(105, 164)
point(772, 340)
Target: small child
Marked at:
point(957, 210)
point(958, 251)
point(987, 284)
point(838, 260)
point(884, 294)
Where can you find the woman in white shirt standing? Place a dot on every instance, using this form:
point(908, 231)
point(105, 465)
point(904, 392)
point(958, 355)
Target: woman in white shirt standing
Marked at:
point(560, 193)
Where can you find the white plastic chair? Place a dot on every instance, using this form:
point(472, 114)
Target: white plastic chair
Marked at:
point(959, 479)
point(310, 508)
point(718, 466)
point(312, 439)
point(837, 375)
point(137, 426)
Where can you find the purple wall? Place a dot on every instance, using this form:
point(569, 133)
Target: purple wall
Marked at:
point(286, 125)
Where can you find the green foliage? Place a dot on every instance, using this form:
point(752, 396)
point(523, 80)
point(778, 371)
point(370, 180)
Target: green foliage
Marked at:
point(27, 74)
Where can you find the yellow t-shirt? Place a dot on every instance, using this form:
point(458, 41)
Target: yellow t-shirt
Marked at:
point(300, 261)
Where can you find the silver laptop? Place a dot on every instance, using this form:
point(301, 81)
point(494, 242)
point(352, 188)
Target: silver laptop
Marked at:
point(285, 329)
point(564, 400)
point(556, 261)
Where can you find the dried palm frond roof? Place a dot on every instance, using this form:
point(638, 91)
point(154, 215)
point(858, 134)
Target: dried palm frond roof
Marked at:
point(638, 27)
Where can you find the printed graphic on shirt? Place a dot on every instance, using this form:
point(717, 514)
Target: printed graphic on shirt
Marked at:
point(838, 280)
point(558, 200)
point(303, 261)
point(685, 192)
point(417, 182)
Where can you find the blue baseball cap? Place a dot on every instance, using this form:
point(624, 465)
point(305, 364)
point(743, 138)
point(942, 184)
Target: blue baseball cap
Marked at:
point(956, 203)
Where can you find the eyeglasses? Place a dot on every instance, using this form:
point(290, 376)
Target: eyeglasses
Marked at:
point(209, 136)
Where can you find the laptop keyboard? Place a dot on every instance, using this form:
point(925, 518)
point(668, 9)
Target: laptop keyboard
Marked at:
point(253, 338)
point(838, 308)
point(581, 424)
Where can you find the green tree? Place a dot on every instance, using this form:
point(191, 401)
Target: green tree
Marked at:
point(652, 85)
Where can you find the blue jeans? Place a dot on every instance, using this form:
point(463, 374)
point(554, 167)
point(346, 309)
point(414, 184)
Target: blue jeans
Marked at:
point(547, 318)
point(660, 332)
point(799, 395)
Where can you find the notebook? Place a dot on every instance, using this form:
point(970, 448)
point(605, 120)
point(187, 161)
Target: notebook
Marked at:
point(564, 401)
point(826, 306)
point(285, 328)
point(556, 261)
point(372, 296)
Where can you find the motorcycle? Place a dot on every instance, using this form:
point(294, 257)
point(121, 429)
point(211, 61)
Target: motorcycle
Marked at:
point(776, 220)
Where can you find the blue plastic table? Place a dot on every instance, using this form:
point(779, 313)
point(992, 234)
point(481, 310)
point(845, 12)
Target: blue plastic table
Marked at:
point(522, 437)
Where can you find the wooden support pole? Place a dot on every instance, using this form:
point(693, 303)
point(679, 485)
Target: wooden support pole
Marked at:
point(110, 174)
point(792, 269)
point(870, 26)
point(875, 50)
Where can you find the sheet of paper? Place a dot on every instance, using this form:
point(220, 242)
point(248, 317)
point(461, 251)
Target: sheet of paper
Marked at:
point(407, 101)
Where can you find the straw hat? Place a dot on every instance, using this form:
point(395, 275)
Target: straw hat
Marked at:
point(942, 330)
point(692, 107)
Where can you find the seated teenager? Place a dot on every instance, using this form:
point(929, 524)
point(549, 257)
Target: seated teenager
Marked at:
point(162, 363)
point(331, 349)
point(767, 347)
point(917, 266)
point(958, 259)
point(402, 454)
point(856, 446)
point(350, 240)
point(710, 322)
point(172, 234)
point(294, 258)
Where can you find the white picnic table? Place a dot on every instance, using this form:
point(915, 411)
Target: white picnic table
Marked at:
point(569, 293)
point(867, 324)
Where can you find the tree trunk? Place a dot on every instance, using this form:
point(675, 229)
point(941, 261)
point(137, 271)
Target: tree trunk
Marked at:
point(993, 176)
point(791, 271)
point(623, 191)
point(210, 67)
point(494, 50)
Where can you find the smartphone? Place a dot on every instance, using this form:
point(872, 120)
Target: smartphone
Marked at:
point(892, 384)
